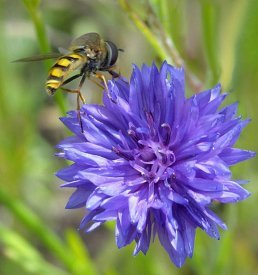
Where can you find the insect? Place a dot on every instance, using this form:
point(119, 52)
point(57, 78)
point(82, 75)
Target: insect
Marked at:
point(90, 54)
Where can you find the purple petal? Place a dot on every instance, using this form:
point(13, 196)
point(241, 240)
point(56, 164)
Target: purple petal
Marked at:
point(154, 161)
point(232, 156)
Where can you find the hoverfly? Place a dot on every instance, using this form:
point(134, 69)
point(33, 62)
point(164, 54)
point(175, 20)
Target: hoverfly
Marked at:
point(88, 53)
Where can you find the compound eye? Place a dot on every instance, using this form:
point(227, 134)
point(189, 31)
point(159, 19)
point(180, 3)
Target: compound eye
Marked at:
point(112, 53)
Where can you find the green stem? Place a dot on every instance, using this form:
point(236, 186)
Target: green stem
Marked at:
point(33, 9)
point(209, 27)
point(38, 228)
point(161, 42)
point(144, 29)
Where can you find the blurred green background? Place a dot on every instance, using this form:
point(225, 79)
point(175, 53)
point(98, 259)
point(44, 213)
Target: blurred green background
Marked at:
point(215, 40)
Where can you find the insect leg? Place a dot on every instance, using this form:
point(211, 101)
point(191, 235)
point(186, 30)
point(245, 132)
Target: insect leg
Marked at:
point(78, 98)
point(71, 78)
point(102, 77)
point(97, 83)
point(114, 74)
point(82, 79)
point(78, 92)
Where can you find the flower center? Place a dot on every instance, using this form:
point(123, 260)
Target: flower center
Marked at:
point(152, 157)
point(152, 160)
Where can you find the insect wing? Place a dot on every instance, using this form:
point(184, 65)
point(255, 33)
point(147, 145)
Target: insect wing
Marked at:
point(40, 57)
point(91, 40)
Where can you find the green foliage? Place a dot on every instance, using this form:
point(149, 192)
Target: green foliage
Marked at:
point(24, 255)
point(215, 41)
point(209, 21)
point(36, 17)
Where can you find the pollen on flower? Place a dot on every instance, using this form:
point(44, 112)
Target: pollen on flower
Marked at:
point(154, 161)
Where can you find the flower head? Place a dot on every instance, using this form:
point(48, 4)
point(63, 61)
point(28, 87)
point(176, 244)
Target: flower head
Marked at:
point(154, 161)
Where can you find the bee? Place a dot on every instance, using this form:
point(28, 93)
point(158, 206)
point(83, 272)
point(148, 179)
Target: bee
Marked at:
point(90, 54)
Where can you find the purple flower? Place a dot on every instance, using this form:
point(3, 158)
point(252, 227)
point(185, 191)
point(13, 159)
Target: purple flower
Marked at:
point(154, 161)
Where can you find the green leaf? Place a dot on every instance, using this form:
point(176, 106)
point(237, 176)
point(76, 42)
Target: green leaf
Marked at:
point(230, 33)
point(210, 39)
point(37, 227)
point(22, 253)
point(83, 264)
point(31, 4)
point(144, 28)
point(36, 16)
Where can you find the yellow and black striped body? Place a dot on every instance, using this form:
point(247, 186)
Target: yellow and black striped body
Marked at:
point(61, 70)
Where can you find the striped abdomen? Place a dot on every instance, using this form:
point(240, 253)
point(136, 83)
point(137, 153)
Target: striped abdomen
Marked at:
point(61, 69)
